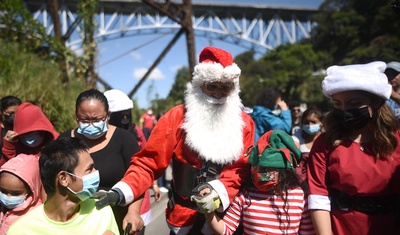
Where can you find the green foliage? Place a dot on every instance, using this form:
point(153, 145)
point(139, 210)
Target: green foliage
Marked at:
point(289, 68)
point(33, 79)
point(176, 95)
point(86, 10)
point(357, 31)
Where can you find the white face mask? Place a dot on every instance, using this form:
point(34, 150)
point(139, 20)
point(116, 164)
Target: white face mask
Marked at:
point(32, 139)
point(277, 112)
point(213, 100)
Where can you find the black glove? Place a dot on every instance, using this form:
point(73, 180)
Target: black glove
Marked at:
point(111, 198)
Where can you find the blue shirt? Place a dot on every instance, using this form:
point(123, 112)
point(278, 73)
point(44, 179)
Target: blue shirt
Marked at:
point(395, 107)
point(265, 120)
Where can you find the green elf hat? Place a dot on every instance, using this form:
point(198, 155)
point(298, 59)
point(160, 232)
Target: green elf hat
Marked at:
point(275, 149)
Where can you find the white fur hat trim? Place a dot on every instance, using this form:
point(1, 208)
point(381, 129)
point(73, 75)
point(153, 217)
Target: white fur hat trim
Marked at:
point(366, 77)
point(215, 72)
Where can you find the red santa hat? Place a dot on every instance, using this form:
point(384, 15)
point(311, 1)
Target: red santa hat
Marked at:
point(366, 77)
point(216, 65)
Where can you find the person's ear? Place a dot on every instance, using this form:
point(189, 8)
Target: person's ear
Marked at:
point(108, 116)
point(62, 178)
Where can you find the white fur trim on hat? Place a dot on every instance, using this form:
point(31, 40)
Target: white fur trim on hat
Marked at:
point(118, 100)
point(215, 72)
point(366, 77)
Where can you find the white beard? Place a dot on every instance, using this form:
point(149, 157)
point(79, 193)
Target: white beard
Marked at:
point(215, 131)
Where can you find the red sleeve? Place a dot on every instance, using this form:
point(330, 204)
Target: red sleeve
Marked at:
point(317, 175)
point(8, 150)
point(150, 163)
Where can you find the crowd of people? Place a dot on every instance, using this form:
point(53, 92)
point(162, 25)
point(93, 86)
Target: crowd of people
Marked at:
point(278, 168)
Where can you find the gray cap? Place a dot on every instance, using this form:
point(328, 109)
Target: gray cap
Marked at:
point(393, 65)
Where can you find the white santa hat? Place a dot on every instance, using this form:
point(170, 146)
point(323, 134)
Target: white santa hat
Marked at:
point(118, 100)
point(366, 77)
point(216, 65)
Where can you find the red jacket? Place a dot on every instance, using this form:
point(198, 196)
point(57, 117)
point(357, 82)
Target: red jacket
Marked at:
point(168, 142)
point(28, 118)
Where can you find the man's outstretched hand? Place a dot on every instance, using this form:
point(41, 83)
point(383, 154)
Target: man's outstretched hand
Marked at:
point(106, 198)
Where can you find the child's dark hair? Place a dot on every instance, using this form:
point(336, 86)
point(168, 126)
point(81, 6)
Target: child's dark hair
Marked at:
point(287, 179)
point(268, 97)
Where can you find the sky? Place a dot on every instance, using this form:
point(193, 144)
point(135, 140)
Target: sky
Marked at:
point(123, 70)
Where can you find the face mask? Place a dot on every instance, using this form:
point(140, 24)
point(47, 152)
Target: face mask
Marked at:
point(311, 129)
point(90, 185)
point(94, 130)
point(32, 139)
point(354, 119)
point(213, 100)
point(149, 112)
point(119, 120)
point(11, 202)
point(263, 181)
point(9, 119)
point(276, 112)
point(124, 121)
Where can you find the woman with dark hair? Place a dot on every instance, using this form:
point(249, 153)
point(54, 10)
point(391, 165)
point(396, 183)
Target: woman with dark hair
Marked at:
point(311, 127)
point(8, 107)
point(111, 148)
point(274, 202)
point(353, 174)
point(271, 113)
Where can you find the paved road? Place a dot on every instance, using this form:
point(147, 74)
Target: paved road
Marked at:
point(158, 226)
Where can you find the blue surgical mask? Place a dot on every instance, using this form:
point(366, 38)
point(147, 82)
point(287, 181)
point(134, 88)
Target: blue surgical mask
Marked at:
point(311, 129)
point(32, 139)
point(11, 202)
point(90, 185)
point(93, 131)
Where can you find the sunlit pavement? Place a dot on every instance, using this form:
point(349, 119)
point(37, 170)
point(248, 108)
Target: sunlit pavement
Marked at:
point(158, 226)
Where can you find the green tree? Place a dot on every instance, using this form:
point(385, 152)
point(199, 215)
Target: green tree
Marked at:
point(356, 31)
point(176, 94)
point(35, 79)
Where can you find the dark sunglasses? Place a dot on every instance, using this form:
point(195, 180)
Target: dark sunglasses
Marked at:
point(212, 87)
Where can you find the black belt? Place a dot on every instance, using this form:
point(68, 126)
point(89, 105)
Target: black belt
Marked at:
point(368, 205)
point(185, 203)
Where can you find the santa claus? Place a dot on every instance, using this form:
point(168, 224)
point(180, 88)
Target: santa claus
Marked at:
point(205, 139)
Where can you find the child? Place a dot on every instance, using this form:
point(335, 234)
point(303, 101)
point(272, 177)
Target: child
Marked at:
point(274, 203)
point(19, 189)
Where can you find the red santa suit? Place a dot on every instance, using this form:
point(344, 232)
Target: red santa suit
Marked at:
point(352, 169)
point(204, 130)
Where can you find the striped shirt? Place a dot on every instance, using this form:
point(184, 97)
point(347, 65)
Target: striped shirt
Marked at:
point(266, 214)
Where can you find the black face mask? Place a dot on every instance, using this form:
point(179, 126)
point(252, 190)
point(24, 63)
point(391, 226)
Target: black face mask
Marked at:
point(118, 120)
point(353, 119)
point(9, 119)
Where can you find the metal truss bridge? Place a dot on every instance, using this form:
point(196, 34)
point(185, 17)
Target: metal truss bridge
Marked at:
point(255, 26)
point(245, 24)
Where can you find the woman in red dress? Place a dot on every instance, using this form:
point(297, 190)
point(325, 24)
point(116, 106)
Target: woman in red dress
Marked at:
point(354, 167)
